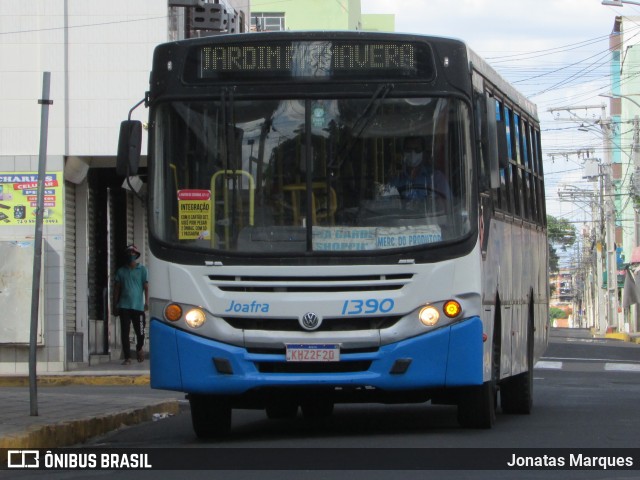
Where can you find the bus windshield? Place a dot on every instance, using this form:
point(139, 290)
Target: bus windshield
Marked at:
point(294, 176)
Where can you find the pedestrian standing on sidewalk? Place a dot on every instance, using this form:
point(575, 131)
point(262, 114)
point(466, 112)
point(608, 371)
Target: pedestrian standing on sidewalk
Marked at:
point(132, 301)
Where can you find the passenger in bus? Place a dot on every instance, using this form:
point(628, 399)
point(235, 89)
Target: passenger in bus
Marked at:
point(418, 179)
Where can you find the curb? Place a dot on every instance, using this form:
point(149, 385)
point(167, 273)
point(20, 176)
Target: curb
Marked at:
point(62, 380)
point(78, 431)
point(625, 337)
point(622, 336)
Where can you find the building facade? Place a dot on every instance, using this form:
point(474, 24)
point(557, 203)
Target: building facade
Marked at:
point(99, 56)
point(267, 15)
point(625, 116)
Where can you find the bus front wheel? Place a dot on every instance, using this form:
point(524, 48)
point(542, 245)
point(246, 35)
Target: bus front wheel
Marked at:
point(210, 416)
point(477, 406)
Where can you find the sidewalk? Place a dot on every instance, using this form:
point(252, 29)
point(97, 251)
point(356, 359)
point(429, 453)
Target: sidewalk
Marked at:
point(76, 405)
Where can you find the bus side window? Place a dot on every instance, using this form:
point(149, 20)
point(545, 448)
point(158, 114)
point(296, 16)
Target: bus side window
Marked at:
point(531, 189)
point(486, 131)
point(504, 200)
point(515, 179)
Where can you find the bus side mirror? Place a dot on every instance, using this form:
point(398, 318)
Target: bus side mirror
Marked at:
point(491, 143)
point(129, 146)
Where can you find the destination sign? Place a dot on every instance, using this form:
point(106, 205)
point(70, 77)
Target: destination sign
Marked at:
point(314, 60)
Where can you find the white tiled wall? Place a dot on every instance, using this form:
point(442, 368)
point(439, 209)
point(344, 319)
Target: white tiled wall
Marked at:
point(99, 56)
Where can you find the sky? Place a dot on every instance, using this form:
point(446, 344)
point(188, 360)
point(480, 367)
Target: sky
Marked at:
point(553, 51)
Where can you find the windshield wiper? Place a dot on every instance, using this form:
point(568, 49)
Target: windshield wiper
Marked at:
point(361, 123)
point(230, 155)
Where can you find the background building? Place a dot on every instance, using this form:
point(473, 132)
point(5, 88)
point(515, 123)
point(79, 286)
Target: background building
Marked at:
point(624, 112)
point(267, 15)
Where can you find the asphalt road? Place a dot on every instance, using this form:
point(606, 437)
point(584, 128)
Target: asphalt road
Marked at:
point(587, 395)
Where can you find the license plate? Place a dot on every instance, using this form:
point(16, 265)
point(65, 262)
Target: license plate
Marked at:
point(313, 353)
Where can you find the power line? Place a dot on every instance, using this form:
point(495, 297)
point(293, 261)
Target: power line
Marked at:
point(69, 27)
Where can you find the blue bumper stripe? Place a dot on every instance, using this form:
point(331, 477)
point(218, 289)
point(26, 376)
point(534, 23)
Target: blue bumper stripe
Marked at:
point(448, 357)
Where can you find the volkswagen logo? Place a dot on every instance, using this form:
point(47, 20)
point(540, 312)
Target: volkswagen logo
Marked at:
point(310, 321)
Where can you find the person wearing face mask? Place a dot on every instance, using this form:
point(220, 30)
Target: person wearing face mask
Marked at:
point(132, 300)
point(416, 180)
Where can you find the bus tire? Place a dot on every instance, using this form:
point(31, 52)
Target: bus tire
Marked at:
point(516, 393)
point(477, 405)
point(210, 416)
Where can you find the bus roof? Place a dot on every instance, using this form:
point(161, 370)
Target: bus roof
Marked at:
point(480, 65)
point(476, 62)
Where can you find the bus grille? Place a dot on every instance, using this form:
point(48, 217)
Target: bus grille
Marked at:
point(279, 350)
point(356, 283)
point(345, 324)
point(313, 367)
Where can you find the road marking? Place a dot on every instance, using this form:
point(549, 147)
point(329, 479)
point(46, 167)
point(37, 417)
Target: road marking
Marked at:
point(543, 364)
point(588, 365)
point(621, 367)
point(574, 359)
point(586, 340)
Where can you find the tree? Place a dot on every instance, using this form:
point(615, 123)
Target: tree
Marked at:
point(561, 234)
point(555, 313)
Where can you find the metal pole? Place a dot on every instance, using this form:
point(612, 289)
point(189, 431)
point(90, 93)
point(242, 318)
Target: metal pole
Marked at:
point(37, 254)
point(602, 312)
point(618, 3)
point(633, 320)
point(610, 229)
point(601, 321)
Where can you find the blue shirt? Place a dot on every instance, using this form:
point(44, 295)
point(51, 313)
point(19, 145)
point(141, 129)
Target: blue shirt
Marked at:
point(132, 281)
point(419, 182)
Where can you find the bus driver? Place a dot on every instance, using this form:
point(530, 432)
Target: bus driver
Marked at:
point(418, 179)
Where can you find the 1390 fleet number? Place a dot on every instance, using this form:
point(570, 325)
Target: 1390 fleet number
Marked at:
point(367, 306)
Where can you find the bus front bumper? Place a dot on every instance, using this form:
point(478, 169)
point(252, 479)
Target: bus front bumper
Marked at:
point(448, 357)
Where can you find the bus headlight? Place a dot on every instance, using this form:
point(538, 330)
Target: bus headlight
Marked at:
point(429, 316)
point(195, 318)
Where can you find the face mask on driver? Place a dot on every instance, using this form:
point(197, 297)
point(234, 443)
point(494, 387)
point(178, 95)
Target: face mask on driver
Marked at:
point(412, 159)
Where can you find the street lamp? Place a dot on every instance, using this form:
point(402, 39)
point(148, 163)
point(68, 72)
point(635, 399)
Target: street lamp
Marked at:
point(619, 95)
point(618, 3)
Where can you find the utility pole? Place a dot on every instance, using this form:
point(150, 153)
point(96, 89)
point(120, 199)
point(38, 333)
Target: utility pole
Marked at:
point(634, 323)
point(610, 223)
point(607, 205)
point(594, 294)
point(45, 101)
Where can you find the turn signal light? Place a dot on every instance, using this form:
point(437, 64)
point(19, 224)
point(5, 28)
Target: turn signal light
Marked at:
point(173, 312)
point(452, 309)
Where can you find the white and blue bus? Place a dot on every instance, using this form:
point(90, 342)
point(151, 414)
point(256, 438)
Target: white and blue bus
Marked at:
point(341, 217)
